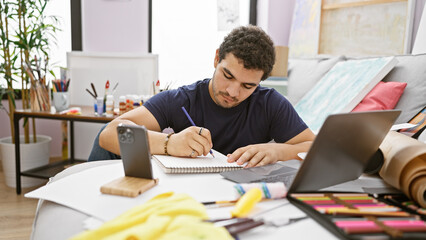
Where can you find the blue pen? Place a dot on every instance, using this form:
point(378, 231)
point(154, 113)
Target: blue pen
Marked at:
point(193, 124)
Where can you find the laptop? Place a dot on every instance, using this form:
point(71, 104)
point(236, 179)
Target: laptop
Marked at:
point(340, 152)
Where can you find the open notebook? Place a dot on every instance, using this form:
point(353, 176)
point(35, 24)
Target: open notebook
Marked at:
point(201, 164)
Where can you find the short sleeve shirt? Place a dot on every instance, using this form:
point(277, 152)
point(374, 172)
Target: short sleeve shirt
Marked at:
point(264, 116)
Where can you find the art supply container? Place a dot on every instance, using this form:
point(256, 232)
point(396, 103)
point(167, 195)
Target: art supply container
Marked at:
point(95, 106)
point(100, 105)
point(122, 105)
point(109, 106)
point(61, 101)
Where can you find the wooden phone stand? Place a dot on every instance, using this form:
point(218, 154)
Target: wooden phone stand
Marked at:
point(128, 186)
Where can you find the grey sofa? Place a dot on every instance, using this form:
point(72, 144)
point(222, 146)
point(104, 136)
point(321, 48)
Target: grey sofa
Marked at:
point(303, 74)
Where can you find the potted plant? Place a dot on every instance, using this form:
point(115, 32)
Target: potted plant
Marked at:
point(25, 35)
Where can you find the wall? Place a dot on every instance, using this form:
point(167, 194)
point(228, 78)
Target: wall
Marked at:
point(262, 13)
point(274, 16)
point(115, 26)
point(419, 45)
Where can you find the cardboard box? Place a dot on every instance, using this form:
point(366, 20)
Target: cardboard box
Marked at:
point(281, 62)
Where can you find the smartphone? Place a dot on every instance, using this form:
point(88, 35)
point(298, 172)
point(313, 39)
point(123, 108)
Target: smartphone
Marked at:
point(134, 149)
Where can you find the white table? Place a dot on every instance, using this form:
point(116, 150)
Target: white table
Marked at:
point(57, 218)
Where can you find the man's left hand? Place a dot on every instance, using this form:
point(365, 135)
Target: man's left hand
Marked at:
point(268, 153)
point(256, 155)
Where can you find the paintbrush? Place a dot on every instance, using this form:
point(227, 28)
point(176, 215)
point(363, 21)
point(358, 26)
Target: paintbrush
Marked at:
point(37, 68)
point(93, 95)
point(106, 88)
point(29, 72)
point(115, 87)
point(94, 90)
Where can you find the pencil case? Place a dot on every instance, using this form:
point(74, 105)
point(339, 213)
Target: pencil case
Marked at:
point(361, 215)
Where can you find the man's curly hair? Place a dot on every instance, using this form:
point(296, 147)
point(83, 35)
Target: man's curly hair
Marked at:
point(251, 45)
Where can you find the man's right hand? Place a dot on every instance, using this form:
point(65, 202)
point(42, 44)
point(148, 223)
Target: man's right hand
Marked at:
point(191, 142)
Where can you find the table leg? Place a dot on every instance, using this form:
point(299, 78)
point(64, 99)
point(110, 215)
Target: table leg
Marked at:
point(71, 138)
point(17, 155)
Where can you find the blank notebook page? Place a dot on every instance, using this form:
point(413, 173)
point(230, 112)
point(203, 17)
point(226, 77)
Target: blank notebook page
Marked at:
point(201, 164)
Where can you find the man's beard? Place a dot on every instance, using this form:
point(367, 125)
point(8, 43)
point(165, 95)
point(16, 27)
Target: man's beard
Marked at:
point(219, 93)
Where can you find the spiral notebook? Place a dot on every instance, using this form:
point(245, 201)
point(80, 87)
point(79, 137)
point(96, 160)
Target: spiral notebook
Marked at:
point(201, 164)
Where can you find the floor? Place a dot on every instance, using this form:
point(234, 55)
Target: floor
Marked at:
point(16, 212)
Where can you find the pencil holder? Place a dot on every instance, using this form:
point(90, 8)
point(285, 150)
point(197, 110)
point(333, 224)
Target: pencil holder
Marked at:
point(39, 97)
point(61, 101)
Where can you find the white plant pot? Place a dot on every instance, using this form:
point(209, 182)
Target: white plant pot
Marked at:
point(32, 155)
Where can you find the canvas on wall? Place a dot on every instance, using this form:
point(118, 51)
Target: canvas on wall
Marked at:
point(305, 28)
point(351, 27)
point(379, 29)
point(349, 81)
point(228, 14)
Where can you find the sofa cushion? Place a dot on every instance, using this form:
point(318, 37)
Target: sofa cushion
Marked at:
point(303, 74)
point(412, 70)
point(383, 96)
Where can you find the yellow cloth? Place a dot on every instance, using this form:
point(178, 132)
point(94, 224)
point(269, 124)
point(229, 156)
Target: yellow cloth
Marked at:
point(166, 216)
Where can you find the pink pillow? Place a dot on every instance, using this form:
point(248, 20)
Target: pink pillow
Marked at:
point(384, 96)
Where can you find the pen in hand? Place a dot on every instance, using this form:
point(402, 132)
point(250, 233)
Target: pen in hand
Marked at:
point(193, 124)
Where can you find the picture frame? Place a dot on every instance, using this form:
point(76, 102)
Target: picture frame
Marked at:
point(420, 121)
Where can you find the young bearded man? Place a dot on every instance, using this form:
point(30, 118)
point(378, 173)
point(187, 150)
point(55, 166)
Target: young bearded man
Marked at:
point(232, 113)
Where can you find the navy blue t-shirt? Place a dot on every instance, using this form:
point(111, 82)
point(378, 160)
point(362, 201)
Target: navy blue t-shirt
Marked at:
point(263, 116)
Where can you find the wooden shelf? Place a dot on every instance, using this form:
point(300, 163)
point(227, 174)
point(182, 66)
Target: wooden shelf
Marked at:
point(332, 6)
point(51, 169)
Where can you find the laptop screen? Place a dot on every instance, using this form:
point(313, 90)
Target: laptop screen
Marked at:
point(342, 149)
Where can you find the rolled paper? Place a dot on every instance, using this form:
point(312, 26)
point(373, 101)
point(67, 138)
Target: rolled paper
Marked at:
point(418, 190)
point(405, 165)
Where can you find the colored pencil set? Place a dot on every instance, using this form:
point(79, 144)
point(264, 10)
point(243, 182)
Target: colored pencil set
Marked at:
point(369, 226)
point(60, 85)
point(362, 215)
point(405, 203)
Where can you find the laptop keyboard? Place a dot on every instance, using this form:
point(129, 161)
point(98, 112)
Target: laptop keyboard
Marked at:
point(286, 179)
